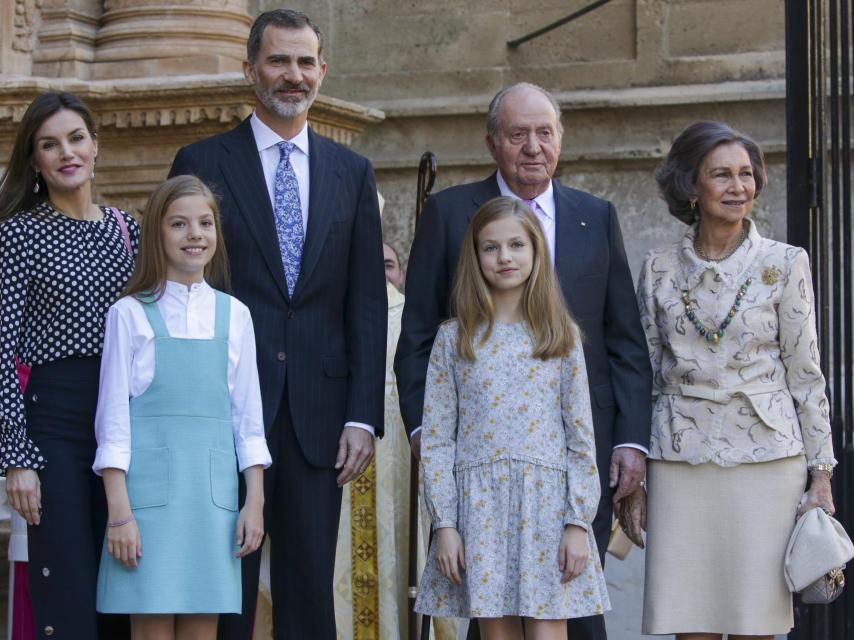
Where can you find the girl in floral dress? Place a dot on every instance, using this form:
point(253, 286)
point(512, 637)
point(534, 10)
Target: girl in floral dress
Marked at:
point(508, 455)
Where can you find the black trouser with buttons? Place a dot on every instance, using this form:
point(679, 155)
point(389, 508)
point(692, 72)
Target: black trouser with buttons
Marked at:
point(65, 548)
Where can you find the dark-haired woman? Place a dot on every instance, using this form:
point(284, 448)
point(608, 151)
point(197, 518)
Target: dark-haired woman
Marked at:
point(63, 261)
point(740, 416)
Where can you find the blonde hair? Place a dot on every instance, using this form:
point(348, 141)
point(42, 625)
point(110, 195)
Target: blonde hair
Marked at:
point(149, 276)
point(551, 326)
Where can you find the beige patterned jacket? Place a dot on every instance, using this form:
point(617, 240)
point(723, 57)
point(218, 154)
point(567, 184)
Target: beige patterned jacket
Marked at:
point(757, 395)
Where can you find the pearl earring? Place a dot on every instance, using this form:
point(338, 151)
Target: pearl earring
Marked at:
point(36, 186)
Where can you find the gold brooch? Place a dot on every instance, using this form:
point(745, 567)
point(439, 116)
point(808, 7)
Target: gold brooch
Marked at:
point(770, 275)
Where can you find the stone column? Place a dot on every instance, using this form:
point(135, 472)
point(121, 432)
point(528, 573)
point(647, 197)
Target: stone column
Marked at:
point(66, 37)
point(150, 38)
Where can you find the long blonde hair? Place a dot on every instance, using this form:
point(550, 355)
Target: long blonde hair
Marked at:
point(551, 326)
point(149, 276)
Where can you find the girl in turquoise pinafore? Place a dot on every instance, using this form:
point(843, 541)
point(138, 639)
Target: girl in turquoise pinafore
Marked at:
point(179, 413)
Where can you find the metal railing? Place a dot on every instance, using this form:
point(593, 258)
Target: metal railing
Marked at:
point(819, 203)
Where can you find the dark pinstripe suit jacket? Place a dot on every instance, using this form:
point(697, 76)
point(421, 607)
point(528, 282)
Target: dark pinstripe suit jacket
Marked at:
point(594, 275)
point(330, 338)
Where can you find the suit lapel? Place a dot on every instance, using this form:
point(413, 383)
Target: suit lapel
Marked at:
point(486, 191)
point(242, 171)
point(323, 186)
point(570, 236)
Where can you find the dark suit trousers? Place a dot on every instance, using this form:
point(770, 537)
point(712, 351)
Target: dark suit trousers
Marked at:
point(302, 509)
point(591, 627)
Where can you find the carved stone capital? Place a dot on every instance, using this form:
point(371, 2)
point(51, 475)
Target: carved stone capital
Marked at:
point(26, 13)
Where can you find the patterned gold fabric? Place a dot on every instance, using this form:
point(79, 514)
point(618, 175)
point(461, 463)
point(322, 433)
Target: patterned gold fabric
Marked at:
point(371, 559)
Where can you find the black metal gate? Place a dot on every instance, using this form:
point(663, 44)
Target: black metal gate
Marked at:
point(819, 202)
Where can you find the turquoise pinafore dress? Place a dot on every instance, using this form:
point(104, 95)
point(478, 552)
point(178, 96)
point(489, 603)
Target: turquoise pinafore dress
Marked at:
point(182, 482)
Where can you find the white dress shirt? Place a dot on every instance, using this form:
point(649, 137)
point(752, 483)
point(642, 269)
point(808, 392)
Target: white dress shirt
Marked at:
point(128, 363)
point(544, 209)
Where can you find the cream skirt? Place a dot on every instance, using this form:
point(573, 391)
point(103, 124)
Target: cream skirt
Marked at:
point(716, 538)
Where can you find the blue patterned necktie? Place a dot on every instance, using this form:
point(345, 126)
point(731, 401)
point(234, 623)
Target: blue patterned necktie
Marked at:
point(288, 214)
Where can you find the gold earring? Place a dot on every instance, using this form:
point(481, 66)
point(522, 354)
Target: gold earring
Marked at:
point(693, 204)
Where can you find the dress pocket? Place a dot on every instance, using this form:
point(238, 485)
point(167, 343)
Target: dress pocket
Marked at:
point(224, 479)
point(148, 478)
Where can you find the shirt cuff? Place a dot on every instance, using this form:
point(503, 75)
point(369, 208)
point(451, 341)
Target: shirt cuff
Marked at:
point(831, 461)
point(632, 445)
point(445, 524)
point(111, 458)
point(361, 425)
point(253, 452)
point(414, 431)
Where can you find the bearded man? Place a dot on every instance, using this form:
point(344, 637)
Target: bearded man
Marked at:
point(302, 225)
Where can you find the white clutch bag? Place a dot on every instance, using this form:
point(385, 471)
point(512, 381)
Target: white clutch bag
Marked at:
point(816, 556)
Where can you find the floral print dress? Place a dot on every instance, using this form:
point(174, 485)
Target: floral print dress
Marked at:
point(508, 458)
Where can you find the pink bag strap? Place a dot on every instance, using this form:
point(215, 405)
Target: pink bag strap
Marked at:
point(124, 227)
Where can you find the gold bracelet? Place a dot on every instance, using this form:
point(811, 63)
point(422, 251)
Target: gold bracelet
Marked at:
point(827, 468)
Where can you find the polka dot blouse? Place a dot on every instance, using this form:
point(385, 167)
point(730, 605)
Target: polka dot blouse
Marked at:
point(58, 277)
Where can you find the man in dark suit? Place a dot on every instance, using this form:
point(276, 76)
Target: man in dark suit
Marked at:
point(302, 226)
point(524, 137)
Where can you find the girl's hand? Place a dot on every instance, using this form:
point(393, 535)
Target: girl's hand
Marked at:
point(573, 553)
point(819, 494)
point(250, 528)
point(124, 543)
point(23, 489)
point(450, 554)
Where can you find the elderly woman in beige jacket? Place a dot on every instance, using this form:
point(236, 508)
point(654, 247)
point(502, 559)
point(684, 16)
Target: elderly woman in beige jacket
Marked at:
point(740, 416)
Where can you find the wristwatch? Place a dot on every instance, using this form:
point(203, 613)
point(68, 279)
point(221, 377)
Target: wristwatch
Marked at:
point(827, 468)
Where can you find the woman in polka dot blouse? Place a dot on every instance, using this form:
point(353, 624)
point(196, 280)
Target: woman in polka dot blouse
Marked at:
point(63, 261)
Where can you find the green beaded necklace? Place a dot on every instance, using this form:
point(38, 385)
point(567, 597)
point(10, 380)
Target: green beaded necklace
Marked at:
point(713, 336)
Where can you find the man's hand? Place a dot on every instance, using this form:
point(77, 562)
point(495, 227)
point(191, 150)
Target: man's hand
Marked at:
point(415, 445)
point(628, 467)
point(631, 511)
point(355, 450)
